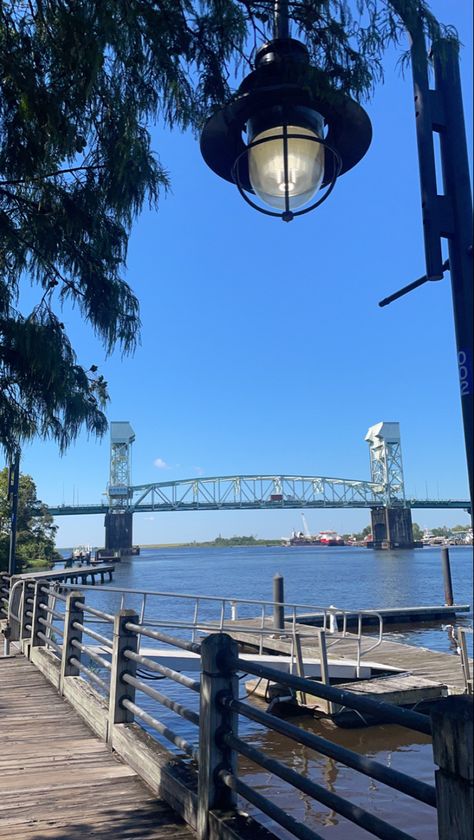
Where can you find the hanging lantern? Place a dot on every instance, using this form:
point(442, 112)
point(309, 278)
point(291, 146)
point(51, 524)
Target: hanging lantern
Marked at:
point(286, 135)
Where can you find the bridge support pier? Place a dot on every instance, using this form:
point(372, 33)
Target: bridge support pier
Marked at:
point(392, 527)
point(119, 531)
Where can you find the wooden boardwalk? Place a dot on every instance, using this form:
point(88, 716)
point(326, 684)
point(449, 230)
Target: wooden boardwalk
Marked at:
point(57, 780)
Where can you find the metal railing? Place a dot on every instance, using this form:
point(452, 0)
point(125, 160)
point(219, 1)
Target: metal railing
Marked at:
point(54, 628)
point(208, 613)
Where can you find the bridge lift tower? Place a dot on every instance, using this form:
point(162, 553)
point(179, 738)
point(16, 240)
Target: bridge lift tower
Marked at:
point(391, 522)
point(118, 521)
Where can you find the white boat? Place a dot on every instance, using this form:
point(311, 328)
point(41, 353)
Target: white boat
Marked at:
point(82, 553)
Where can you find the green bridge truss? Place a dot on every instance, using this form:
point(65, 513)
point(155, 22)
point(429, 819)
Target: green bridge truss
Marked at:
point(254, 492)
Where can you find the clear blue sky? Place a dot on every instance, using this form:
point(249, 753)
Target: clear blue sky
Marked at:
point(263, 349)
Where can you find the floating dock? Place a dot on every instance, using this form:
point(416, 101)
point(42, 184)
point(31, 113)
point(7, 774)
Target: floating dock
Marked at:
point(399, 615)
point(407, 675)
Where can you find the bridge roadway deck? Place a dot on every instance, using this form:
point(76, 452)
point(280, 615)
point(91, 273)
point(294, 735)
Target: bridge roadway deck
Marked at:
point(57, 780)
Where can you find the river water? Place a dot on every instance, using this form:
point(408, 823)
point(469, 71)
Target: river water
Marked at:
point(350, 578)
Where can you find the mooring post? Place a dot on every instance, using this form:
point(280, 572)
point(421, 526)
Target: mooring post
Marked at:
point(453, 752)
point(72, 616)
point(278, 603)
point(219, 654)
point(448, 584)
point(124, 640)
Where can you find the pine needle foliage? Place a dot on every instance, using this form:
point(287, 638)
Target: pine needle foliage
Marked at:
point(81, 81)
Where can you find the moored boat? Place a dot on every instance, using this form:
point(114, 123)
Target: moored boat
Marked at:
point(330, 538)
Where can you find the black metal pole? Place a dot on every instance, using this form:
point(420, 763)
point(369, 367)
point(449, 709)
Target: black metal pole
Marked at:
point(281, 27)
point(430, 207)
point(457, 188)
point(13, 482)
point(450, 215)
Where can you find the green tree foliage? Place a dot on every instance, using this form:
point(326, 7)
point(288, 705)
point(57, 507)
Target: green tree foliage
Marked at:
point(80, 83)
point(364, 533)
point(35, 528)
point(417, 532)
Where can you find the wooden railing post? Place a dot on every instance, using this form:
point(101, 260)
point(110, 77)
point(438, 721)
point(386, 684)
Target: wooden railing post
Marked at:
point(119, 690)
point(24, 618)
point(38, 613)
point(453, 736)
point(219, 653)
point(71, 633)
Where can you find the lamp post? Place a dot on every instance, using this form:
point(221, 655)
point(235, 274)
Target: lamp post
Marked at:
point(300, 135)
point(13, 484)
point(446, 208)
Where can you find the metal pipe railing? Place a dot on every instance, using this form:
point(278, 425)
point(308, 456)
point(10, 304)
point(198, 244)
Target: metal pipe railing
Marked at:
point(91, 654)
point(367, 766)
point(91, 675)
point(157, 668)
point(172, 705)
point(165, 731)
point(93, 634)
point(354, 813)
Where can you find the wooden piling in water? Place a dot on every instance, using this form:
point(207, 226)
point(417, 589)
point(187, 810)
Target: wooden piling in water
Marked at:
point(448, 583)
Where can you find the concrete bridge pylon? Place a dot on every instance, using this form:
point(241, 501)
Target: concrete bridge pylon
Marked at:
point(391, 521)
point(119, 519)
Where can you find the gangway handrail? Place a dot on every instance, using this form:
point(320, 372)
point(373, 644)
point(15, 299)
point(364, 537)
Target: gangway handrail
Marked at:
point(327, 614)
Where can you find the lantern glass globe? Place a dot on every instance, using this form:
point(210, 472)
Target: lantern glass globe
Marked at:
point(302, 176)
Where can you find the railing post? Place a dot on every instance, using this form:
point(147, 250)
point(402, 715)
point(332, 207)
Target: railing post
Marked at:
point(219, 653)
point(71, 633)
point(119, 690)
point(453, 736)
point(36, 626)
point(24, 618)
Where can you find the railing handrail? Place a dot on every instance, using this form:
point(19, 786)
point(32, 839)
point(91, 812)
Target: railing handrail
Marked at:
point(332, 613)
point(229, 599)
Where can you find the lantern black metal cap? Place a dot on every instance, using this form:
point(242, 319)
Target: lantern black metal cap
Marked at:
point(284, 78)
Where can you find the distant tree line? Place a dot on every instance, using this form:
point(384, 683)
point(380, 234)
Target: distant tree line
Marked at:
point(418, 532)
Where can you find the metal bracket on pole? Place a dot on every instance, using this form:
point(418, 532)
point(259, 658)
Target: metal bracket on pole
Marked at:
point(412, 286)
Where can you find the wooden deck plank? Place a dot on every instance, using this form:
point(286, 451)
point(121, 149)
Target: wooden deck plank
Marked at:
point(57, 780)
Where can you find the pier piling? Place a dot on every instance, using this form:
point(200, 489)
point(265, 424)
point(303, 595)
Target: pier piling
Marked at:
point(448, 584)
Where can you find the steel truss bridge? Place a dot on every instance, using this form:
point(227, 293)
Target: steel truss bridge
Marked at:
point(255, 492)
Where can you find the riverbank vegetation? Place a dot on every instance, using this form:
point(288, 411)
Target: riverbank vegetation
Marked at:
point(218, 542)
point(36, 531)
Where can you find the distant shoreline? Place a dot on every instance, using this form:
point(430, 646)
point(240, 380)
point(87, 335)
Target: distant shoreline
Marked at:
point(220, 542)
